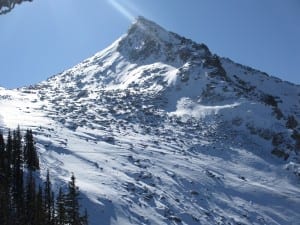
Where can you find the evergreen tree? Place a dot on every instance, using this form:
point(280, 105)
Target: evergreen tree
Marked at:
point(30, 200)
point(2, 155)
point(60, 208)
point(24, 205)
point(18, 191)
point(72, 204)
point(30, 154)
point(9, 147)
point(4, 184)
point(48, 201)
point(52, 221)
point(40, 215)
point(4, 198)
point(4, 204)
point(17, 157)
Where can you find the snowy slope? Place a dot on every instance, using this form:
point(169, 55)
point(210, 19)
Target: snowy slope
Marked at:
point(158, 130)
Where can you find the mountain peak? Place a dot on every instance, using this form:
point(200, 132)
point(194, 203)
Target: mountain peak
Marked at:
point(144, 25)
point(146, 40)
point(140, 20)
point(148, 28)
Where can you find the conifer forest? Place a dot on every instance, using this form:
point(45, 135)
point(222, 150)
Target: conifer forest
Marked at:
point(24, 198)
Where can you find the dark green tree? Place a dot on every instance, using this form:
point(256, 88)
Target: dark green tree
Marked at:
point(9, 149)
point(17, 157)
point(60, 208)
point(25, 205)
point(40, 215)
point(30, 153)
point(30, 200)
point(4, 186)
point(48, 201)
point(72, 203)
point(2, 154)
point(17, 170)
point(5, 205)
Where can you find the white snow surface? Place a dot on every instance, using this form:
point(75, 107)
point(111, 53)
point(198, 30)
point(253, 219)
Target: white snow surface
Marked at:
point(156, 134)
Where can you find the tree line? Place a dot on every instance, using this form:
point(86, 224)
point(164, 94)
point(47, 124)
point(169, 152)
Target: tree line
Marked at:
point(25, 202)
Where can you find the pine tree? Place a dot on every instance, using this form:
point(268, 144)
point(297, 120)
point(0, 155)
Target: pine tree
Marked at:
point(30, 154)
point(4, 205)
point(7, 183)
point(40, 215)
point(24, 205)
point(18, 190)
point(60, 208)
point(8, 152)
point(48, 201)
point(72, 204)
point(52, 221)
point(2, 155)
point(17, 158)
point(30, 200)
point(4, 184)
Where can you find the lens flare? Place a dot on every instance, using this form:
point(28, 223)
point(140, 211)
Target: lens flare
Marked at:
point(121, 9)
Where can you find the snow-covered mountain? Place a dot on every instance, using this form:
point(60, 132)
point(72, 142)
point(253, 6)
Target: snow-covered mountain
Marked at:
point(158, 130)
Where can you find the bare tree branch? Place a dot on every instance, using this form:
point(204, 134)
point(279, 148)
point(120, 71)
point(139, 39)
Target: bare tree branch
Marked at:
point(7, 5)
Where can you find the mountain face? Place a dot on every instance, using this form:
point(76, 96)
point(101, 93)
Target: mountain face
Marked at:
point(158, 130)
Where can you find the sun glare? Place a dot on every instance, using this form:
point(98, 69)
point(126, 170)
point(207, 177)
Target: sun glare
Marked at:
point(121, 9)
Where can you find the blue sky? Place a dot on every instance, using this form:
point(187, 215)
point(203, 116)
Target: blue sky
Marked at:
point(45, 37)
